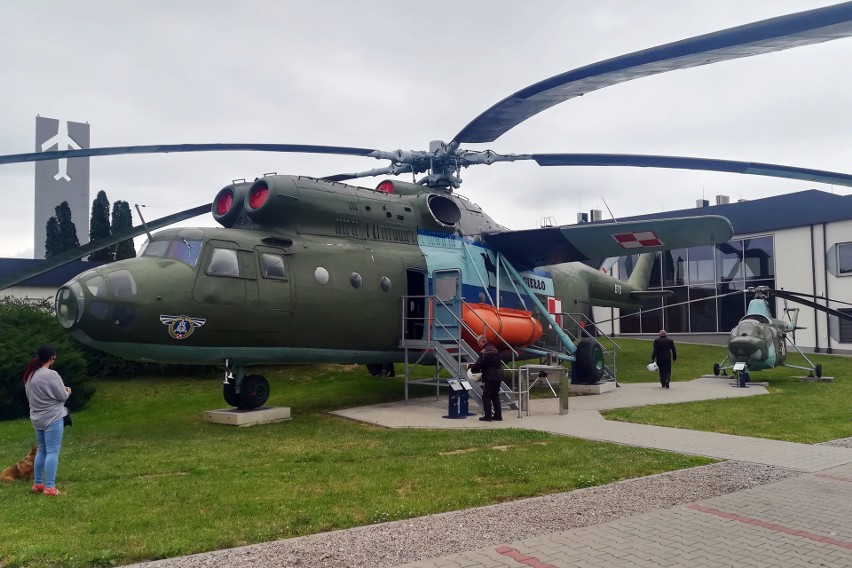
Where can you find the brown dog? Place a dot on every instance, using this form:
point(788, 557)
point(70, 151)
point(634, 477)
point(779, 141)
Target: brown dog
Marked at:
point(21, 470)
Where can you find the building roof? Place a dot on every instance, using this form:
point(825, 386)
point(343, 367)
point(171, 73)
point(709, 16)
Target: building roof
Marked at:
point(799, 209)
point(54, 279)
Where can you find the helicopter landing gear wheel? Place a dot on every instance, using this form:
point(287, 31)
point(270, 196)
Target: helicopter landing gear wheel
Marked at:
point(716, 369)
point(818, 370)
point(254, 392)
point(589, 362)
point(229, 393)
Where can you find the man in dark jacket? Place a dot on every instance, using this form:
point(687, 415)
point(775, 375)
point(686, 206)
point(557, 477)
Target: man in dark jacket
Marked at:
point(664, 354)
point(491, 367)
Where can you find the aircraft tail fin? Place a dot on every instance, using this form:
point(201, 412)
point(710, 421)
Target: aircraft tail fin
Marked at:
point(641, 275)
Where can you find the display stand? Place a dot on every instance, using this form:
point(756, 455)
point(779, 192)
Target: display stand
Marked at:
point(464, 398)
point(456, 392)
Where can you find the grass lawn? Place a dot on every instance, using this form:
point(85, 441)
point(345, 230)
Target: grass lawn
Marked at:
point(795, 411)
point(146, 478)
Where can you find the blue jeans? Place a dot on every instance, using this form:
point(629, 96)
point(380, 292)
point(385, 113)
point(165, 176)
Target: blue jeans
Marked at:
point(47, 456)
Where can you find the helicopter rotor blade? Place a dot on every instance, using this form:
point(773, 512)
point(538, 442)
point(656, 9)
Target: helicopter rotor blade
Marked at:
point(179, 148)
point(800, 300)
point(87, 249)
point(818, 297)
point(689, 163)
point(389, 170)
point(775, 34)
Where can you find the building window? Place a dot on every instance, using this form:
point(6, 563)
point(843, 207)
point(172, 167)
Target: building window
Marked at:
point(710, 285)
point(845, 326)
point(844, 259)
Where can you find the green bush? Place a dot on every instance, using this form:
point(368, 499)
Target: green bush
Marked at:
point(23, 327)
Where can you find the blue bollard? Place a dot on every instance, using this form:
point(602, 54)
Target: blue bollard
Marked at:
point(453, 410)
point(464, 404)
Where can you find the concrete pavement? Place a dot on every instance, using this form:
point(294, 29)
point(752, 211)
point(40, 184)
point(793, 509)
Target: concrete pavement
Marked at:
point(805, 521)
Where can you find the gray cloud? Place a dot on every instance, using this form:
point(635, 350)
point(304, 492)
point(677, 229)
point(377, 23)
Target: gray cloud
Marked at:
point(393, 74)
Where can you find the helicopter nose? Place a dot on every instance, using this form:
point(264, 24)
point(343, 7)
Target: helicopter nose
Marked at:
point(69, 304)
point(101, 296)
point(745, 348)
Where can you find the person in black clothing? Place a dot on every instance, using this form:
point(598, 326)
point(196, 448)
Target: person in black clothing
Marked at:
point(664, 354)
point(491, 367)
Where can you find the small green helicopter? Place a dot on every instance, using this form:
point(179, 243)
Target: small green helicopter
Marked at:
point(317, 270)
point(759, 341)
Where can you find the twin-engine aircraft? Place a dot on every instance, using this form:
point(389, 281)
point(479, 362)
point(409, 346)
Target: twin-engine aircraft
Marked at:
point(311, 270)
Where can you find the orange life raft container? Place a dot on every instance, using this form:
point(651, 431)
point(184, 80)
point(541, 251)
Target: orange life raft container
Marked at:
point(518, 328)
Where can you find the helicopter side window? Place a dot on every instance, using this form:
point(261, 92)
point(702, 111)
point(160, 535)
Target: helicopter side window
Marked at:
point(155, 248)
point(272, 266)
point(184, 250)
point(223, 262)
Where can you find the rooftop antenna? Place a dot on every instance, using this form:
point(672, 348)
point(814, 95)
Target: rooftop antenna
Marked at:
point(610, 210)
point(147, 232)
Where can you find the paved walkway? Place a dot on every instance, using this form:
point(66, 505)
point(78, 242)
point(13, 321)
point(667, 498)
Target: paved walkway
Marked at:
point(806, 521)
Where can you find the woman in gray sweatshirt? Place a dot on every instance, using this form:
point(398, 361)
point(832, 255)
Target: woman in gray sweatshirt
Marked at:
point(46, 394)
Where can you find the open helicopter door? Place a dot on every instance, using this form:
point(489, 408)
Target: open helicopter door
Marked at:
point(446, 306)
point(415, 307)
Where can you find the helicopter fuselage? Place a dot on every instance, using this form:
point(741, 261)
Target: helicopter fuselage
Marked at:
point(309, 271)
point(759, 340)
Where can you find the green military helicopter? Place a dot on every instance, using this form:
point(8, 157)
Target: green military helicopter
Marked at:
point(760, 341)
point(317, 270)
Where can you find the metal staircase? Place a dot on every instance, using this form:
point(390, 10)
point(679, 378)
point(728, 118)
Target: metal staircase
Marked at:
point(445, 348)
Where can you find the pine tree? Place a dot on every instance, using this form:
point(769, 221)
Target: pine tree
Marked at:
point(51, 242)
point(122, 219)
point(99, 227)
point(67, 230)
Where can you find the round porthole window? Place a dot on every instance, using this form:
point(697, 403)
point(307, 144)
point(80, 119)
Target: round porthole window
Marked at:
point(321, 275)
point(356, 280)
point(385, 283)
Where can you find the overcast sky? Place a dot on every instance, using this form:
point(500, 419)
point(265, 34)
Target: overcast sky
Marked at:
point(395, 74)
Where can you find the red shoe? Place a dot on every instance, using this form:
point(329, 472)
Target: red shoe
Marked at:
point(52, 491)
point(37, 488)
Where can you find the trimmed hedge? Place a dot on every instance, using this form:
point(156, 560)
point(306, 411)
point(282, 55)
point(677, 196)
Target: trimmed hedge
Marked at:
point(23, 327)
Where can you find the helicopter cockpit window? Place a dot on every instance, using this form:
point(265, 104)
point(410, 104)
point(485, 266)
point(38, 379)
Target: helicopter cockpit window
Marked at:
point(272, 266)
point(184, 250)
point(155, 248)
point(97, 286)
point(746, 328)
point(224, 262)
point(123, 284)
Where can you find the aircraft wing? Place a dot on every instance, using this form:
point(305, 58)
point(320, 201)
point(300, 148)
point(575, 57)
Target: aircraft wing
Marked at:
point(570, 243)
